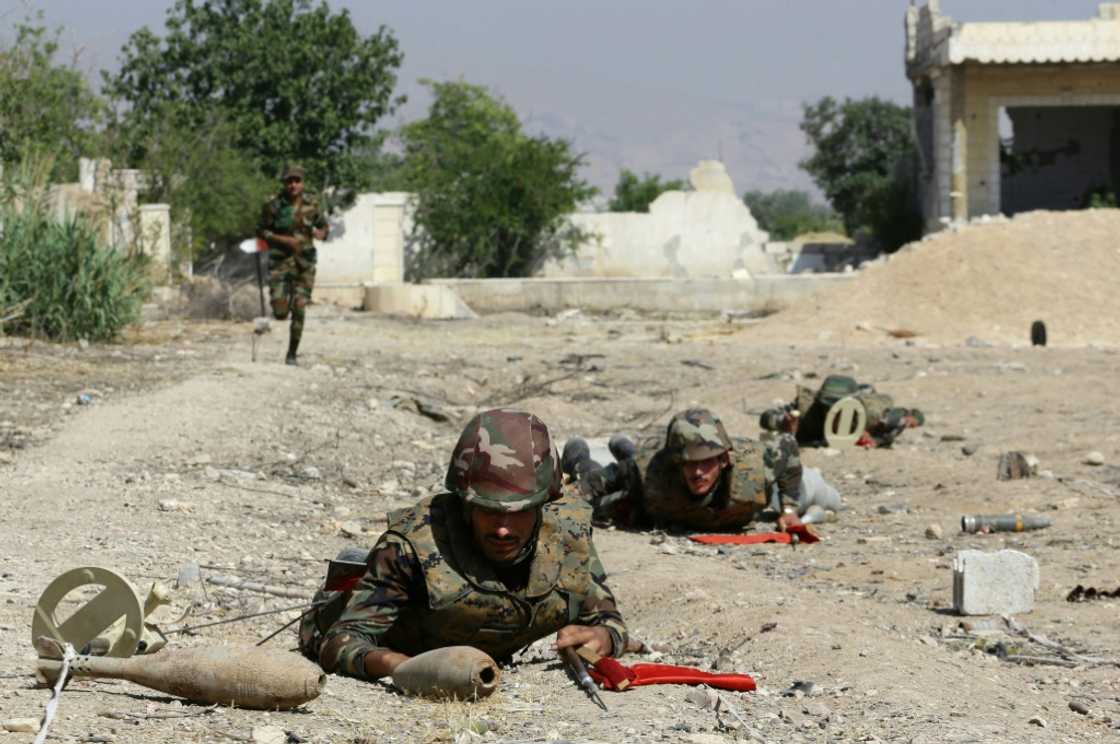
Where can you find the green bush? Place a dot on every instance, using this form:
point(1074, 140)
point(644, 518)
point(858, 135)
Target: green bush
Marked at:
point(785, 214)
point(59, 282)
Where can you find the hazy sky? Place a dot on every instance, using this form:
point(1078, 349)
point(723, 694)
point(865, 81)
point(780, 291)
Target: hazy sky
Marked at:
point(652, 84)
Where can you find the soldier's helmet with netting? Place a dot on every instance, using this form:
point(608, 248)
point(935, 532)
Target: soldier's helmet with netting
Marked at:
point(505, 461)
point(697, 434)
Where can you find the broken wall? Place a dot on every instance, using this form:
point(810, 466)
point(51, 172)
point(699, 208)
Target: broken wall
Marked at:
point(686, 234)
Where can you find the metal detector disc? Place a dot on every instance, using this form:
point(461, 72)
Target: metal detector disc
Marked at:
point(845, 422)
point(252, 245)
point(116, 604)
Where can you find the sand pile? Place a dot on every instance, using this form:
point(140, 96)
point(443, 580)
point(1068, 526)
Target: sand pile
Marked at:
point(988, 281)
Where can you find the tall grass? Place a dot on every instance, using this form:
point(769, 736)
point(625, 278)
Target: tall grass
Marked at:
point(57, 279)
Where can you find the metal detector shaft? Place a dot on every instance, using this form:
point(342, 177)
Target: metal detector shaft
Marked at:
point(260, 281)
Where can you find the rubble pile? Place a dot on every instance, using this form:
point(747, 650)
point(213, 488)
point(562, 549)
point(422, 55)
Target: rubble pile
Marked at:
point(988, 280)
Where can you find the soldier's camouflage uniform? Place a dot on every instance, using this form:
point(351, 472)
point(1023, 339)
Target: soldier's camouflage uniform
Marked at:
point(661, 497)
point(291, 274)
point(885, 420)
point(427, 585)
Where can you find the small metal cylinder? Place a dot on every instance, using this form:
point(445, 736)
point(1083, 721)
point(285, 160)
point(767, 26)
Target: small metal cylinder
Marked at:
point(1003, 522)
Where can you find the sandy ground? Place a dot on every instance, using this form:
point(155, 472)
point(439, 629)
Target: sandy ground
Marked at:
point(272, 466)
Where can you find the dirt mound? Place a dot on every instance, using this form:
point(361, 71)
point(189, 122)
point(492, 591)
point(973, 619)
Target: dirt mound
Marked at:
point(988, 281)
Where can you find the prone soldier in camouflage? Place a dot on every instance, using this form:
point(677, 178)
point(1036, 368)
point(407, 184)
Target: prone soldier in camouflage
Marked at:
point(697, 478)
point(497, 562)
point(804, 417)
point(289, 223)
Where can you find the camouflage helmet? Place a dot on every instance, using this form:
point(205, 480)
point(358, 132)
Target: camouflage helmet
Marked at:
point(505, 461)
point(293, 171)
point(697, 434)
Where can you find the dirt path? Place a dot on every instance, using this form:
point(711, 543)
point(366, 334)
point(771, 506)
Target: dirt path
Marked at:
point(262, 470)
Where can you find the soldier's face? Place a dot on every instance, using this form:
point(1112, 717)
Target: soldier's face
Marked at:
point(701, 475)
point(294, 187)
point(502, 535)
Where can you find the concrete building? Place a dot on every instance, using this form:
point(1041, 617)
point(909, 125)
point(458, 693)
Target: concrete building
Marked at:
point(1014, 116)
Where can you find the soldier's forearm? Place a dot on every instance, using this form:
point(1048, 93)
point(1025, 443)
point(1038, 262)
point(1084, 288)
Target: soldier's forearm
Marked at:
point(611, 621)
point(382, 662)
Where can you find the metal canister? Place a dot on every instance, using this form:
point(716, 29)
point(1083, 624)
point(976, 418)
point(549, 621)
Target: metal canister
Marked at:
point(1003, 522)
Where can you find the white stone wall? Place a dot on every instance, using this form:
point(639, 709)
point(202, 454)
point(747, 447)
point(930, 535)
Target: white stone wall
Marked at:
point(366, 244)
point(686, 234)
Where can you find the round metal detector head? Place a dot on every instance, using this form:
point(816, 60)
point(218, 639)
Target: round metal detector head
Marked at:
point(845, 422)
point(115, 611)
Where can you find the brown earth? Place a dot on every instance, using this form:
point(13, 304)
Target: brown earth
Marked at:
point(988, 281)
point(269, 463)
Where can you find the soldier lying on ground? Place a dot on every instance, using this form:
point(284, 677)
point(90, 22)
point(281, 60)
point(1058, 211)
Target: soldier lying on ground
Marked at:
point(804, 417)
point(496, 563)
point(698, 478)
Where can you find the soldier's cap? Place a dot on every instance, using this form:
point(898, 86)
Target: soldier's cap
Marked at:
point(918, 416)
point(697, 434)
point(505, 461)
point(293, 171)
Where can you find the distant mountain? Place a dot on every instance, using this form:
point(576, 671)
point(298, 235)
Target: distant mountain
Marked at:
point(760, 144)
point(659, 131)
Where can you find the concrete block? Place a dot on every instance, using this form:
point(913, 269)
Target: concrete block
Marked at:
point(1000, 583)
point(425, 301)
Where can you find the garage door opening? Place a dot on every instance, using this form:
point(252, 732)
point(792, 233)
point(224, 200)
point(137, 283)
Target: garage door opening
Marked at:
point(1059, 157)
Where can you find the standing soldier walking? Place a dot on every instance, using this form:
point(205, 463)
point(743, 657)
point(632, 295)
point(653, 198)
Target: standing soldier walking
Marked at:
point(289, 223)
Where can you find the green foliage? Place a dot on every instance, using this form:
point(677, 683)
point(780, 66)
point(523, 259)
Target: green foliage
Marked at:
point(44, 105)
point(215, 189)
point(863, 154)
point(296, 82)
point(1101, 197)
point(635, 193)
point(785, 214)
point(56, 279)
point(491, 201)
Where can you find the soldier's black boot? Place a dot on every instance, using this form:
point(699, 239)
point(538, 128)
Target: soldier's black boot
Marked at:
point(622, 448)
point(576, 458)
point(292, 357)
point(295, 333)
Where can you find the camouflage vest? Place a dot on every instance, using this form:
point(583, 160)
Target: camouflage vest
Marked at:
point(877, 405)
point(288, 219)
point(467, 604)
point(814, 406)
point(740, 494)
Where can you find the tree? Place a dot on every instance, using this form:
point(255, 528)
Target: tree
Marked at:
point(491, 201)
point(296, 82)
point(634, 194)
point(214, 189)
point(862, 159)
point(44, 106)
point(787, 214)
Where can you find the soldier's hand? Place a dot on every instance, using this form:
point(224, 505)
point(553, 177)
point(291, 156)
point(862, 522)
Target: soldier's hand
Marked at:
point(595, 637)
point(290, 241)
point(382, 662)
point(788, 520)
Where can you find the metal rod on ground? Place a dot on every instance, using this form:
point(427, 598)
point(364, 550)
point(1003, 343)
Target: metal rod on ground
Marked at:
point(252, 586)
point(239, 618)
point(289, 624)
